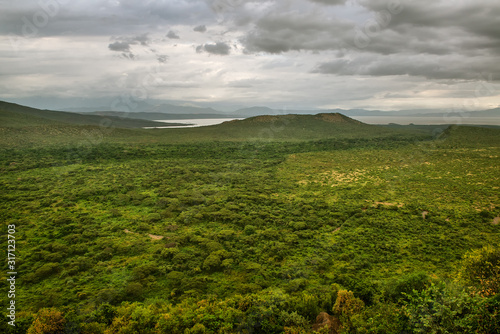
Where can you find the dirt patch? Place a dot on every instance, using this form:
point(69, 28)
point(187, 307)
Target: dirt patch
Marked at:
point(127, 231)
point(399, 205)
point(155, 237)
point(338, 177)
point(496, 220)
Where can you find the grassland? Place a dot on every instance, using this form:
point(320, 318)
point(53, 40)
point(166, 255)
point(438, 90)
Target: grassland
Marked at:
point(254, 226)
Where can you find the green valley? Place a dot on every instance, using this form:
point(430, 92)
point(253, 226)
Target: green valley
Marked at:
point(252, 226)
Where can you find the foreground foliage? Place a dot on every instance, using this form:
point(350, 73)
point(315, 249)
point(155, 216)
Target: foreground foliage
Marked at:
point(386, 234)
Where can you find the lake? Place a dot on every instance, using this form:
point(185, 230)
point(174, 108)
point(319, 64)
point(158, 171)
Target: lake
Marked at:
point(402, 120)
point(193, 123)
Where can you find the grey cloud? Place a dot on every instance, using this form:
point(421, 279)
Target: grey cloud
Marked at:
point(172, 35)
point(480, 17)
point(432, 68)
point(173, 12)
point(122, 44)
point(278, 33)
point(330, 2)
point(142, 39)
point(162, 58)
point(119, 46)
point(201, 28)
point(219, 48)
point(97, 18)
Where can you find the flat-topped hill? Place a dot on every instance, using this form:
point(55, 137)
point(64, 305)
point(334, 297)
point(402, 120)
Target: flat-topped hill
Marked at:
point(324, 117)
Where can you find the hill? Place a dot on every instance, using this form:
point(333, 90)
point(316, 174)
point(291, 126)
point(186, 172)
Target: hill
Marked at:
point(23, 126)
point(301, 127)
point(14, 115)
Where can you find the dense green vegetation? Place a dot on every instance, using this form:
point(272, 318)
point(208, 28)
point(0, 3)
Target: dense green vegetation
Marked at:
point(387, 230)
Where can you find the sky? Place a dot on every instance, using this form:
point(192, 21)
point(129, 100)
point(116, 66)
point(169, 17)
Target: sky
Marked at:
point(284, 54)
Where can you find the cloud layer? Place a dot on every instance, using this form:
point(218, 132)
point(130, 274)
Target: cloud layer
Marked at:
point(381, 54)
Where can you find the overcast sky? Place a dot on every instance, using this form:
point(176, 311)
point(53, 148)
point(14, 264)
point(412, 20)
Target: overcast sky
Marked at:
point(292, 54)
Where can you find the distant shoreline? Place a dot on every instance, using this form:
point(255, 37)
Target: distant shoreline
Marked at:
point(427, 120)
point(193, 123)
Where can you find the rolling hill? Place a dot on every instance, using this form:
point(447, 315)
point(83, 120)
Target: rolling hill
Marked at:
point(24, 126)
point(14, 115)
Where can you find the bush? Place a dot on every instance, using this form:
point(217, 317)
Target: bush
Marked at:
point(47, 321)
point(134, 291)
point(398, 289)
point(346, 307)
point(212, 262)
point(481, 270)
point(440, 309)
point(249, 230)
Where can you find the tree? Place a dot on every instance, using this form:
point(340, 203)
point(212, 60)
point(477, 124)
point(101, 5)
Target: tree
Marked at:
point(346, 306)
point(47, 321)
point(481, 269)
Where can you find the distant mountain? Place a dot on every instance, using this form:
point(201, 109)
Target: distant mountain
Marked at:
point(173, 109)
point(487, 113)
point(156, 116)
point(464, 114)
point(149, 111)
point(255, 111)
point(15, 115)
point(144, 107)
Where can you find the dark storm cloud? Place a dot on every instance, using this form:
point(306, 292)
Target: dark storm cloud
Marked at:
point(219, 48)
point(97, 18)
point(426, 31)
point(172, 35)
point(201, 28)
point(278, 33)
point(173, 12)
point(479, 19)
point(432, 68)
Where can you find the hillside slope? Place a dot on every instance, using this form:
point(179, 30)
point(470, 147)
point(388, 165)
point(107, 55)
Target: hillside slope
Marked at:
point(24, 126)
point(14, 115)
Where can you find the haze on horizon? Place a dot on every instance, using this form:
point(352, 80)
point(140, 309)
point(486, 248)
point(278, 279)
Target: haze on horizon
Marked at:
point(286, 54)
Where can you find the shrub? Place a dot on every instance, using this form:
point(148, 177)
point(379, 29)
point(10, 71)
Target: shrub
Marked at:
point(440, 309)
point(481, 269)
point(47, 321)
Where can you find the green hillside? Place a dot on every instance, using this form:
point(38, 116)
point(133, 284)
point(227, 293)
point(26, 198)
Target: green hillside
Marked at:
point(15, 119)
point(14, 115)
point(26, 126)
